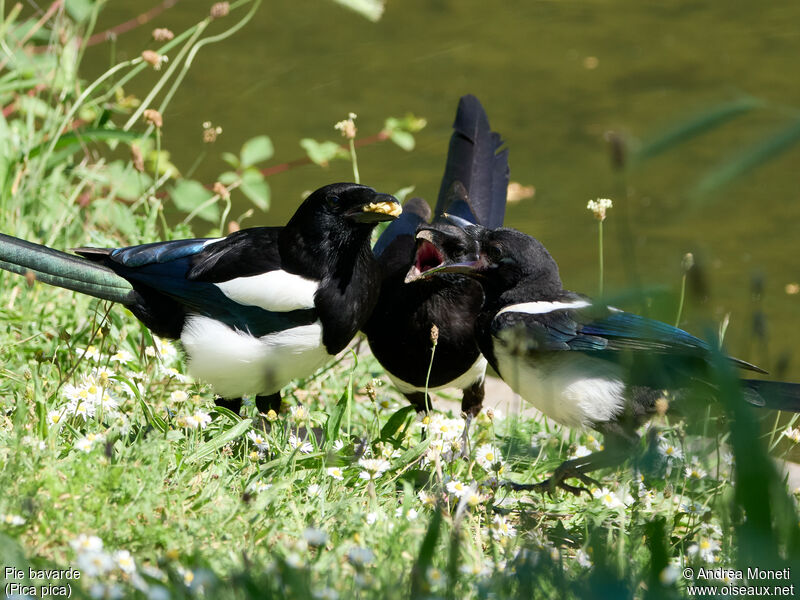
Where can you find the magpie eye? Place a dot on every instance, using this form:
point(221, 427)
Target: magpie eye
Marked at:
point(333, 201)
point(495, 254)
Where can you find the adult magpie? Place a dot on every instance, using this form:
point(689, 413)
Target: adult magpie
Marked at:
point(399, 331)
point(582, 363)
point(253, 310)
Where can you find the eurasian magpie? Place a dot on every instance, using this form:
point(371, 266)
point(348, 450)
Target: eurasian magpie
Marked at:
point(253, 310)
point(581, 363)
point(399, 331)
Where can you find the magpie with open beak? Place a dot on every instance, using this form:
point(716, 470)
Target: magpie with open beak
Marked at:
point(581, 363)
point(253, 310)
point(474, 187)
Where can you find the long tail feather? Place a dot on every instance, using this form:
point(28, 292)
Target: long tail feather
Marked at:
point(63, 270)
point(474, 161)
point(778, 395)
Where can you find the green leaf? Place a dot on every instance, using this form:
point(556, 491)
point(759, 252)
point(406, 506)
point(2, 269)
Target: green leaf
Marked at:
point(403, 193)
point(217, 442)
point(256, 150)
point(403, 139)
point(255, 187)
point(188, 195)
point(228, 177)
point(322, 153)
point(419, 573)
point(334, 422)
point(395, 422)
point(80, 10)
point(231, 159)
point(411, 454)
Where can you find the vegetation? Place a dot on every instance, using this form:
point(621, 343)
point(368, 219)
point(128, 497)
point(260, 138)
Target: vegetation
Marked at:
point(114, 464)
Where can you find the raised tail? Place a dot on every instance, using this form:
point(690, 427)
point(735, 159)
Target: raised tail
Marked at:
point(473, 161)
point(777, 395)
point(64, 270)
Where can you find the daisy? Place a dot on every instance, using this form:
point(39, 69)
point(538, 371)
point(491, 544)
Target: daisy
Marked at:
point(124, 561)
point(335, 472)
point(86, 543)
point(296, 443)
point(11, 519)
point(501, 528)
point(457, 488)
point(488, 457)
point(704, 548)
point(373, 467)
point(258, 440)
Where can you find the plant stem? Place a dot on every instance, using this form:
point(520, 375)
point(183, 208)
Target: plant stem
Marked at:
point(356, 176)
point(680, 303)
point(600, 253)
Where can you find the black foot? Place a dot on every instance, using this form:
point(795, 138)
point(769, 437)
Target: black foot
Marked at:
point(557, 480)
point(232, 404)
point(264, 404)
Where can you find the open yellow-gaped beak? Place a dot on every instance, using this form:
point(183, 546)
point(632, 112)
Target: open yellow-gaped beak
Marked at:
point(392, 209)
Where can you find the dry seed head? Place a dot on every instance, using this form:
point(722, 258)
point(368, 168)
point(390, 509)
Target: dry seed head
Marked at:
point(220, 190)
point(348, 126)
point(516, 192)
point(688, 262)
point(210, 132)
point(154, 117)
point(154, 58)
point(220, 9)
point(137, 158)
point(162, 34)
point(434, 334)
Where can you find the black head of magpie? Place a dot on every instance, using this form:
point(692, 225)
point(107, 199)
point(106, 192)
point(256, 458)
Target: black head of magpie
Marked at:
point(253, 310)
point(581, 363)
point(473, 186)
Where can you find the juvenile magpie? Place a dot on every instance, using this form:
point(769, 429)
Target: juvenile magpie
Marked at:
point(581, 363)
point(253, 310)
point(399, 331)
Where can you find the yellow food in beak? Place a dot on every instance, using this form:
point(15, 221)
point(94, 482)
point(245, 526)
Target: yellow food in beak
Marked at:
point(385, 208)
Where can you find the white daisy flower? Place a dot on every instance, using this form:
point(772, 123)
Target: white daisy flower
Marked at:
point(488, 457)
point(336, 473)
point(86, 543)
point(296, 443)
point(178, 396)
point(124, 561)
point(122, 357)
point(608, 498)
point(258, 439)
point(457, 488)
point(373, 467)
point(501, 528)
point(13, 520)
point(704, 548)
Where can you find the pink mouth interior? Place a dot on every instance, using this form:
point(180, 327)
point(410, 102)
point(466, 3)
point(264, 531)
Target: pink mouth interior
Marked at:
point(427, 257)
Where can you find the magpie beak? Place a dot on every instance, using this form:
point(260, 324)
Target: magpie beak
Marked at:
point(382, 208)
point(430, 260)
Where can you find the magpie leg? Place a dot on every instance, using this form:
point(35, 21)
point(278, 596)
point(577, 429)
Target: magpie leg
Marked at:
point(617, 451)
point(232, 404)
point(471, 405)
point(264, 404)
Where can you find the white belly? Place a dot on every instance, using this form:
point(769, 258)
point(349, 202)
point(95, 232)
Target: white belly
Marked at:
point(475, 372)
point(572, 388)
point(236, 363)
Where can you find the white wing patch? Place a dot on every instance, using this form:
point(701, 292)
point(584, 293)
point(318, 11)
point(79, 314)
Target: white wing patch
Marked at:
point(540, 308)
point(277, 291)
point(236, 363)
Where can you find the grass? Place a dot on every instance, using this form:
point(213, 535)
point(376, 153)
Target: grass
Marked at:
point(113, 464)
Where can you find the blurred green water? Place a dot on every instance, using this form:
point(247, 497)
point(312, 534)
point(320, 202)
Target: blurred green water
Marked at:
point(554, 76)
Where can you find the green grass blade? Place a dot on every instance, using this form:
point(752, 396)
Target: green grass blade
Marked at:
point(747, 159)
point(217, 442)
point(694, 126)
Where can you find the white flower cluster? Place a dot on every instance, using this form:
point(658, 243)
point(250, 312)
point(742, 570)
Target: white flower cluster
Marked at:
point(94, 561)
